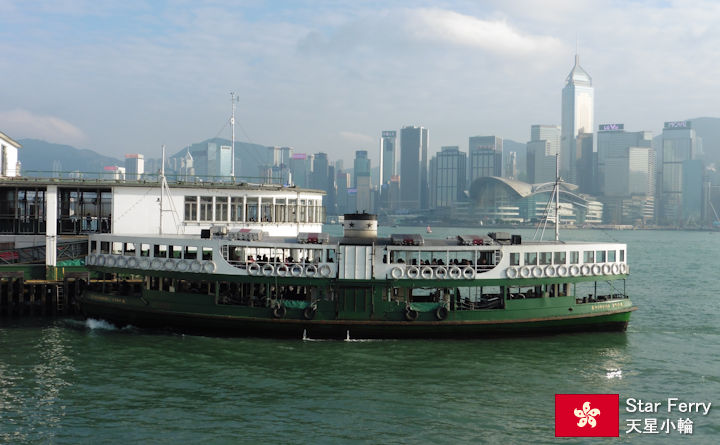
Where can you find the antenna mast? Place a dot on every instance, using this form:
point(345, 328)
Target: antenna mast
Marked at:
point(163, 184)
point(557, 197)
point(232, 148)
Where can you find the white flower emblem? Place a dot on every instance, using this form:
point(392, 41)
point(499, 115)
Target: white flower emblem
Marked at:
point(587, 415)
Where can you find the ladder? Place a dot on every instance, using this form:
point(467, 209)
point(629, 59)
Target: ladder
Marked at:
point(61, 298)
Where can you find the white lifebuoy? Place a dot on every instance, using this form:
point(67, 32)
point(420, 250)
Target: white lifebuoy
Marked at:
point(253, 268)
point(455, 272)
point(562, 270)
point(615, 269)
point(468, 272)
point(282, 270)
point(596, 269)
point(90, 260)
point(100, 260)
point(143, 263)
point(121, 262)
point(441, 273)
point(325, 270)
point(268, 270)
point(413, 272)
point(396, 273)
point(183, 266)
point(623, 268)
point(209, 267)
point(157, 263)
point(537, 272)
point(550, 271)
point(196, 266)
point(110, 262)
point(574, 270)
point(607, 269)
point(296, 270)
point(311, 270)
point(585, 269)
point(169, 264)
point(525, 272)
point(426, 272)
point(511, 272)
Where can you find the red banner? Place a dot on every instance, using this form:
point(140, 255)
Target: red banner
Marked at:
point(587, 415)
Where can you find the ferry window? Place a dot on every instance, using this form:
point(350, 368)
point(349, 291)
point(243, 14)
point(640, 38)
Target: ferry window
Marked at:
point(251, 210)
point(514, 259)
point(622, 255)
point(144, 249)
point(611, 256)
point(176, 251)
point(559, 258)
point(104, 247)
point(331, 255)
point(129, 249)
point(530, 258)
point(574, 257)
point(545, 258)
point(206, 203)
point(291, 210)
point(93, 246)
point(588, 256)
point(600, 256)
point(207, 253)
point(191, 208)
point(117, 248)
point(266, 211)
point(303, 210)
point(236, 208)
point(160, 251)
point(190, 252)
point(221, 208)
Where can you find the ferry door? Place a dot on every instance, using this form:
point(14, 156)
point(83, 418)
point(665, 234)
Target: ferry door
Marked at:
point(354, 302)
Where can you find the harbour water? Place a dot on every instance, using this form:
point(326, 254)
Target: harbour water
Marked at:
point(84, 381)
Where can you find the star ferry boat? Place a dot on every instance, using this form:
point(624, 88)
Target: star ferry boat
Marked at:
point(243, 282)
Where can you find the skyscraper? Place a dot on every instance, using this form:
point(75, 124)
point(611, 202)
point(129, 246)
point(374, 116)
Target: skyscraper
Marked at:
point(613, 153)
point(363, 199)
point(541, 150)
point(577, 116)
point(134, 166)
point(485, 157)
point(320, 179)
point(387, 156)
point(301, 169)
point(413, 167)
point(447, 177)
point(679, 144)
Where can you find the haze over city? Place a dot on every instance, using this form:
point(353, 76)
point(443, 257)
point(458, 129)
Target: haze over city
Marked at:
point(329, 76)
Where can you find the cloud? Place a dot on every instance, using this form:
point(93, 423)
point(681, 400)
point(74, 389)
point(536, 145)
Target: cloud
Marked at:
point(497, 36)
point(25, 124)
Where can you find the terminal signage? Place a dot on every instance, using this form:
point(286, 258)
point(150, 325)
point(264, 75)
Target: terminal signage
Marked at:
point(677, 124)
point(611, 127)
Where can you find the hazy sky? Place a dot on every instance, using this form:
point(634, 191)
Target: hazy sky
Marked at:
point(125, 77)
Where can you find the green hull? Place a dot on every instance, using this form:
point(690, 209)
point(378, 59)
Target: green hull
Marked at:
point(373, 318)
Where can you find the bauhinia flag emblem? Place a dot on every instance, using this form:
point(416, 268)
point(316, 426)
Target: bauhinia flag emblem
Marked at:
point(587, 415)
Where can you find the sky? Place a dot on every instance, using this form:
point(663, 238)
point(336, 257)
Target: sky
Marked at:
point(127, 77)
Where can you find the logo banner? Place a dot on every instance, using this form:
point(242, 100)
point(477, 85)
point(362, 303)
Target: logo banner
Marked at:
point(587, 415)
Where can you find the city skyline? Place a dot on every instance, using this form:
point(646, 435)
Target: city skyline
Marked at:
point(129, 78)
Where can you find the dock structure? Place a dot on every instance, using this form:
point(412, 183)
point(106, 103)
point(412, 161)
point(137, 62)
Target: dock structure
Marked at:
point(39, 297)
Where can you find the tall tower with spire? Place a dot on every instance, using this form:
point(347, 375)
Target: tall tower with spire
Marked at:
point(577, 116)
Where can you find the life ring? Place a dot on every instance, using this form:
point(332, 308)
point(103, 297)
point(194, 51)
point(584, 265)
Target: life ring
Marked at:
point(468, 273)
point(615, 269)
point(550, 271)
point(455, 272)
point(511, 272)
point(413, 272)
point(110, 261)
point(132, 262)
point(562, 270)
point(157, 264)
point(143, 263)
point(623, 268)
point(89, 260)
point(196, 266)
point(396, 273)
point(410, 314)
point(279, 311)
point(309, 312)
point(268, 270)
point(209, 267)
point(441, 273)
point(441, 313)
point(607, 269)
point(596, 269)
point(311, 270)
point(296, 270)
point(169, 264)
point(100, 260)
point(183, 266)
point(325, 270)
point(282, 270)
point(574, 270)
point(426, 272)
point(537, 272)
point(253, 269)
point(525, 272)
point(122, 262)
point(585, 269)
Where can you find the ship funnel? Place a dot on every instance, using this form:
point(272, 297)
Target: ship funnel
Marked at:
point(360, 225)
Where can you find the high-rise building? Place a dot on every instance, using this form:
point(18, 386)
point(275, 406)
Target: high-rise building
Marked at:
point(485, 157)
point(447, 177)
point(301, 169)
point(134, 166)
point(413, 167)
point(218, 161)
point(361, 165)
point(361, 170)
point(541, 150)
point(586, 162)
point(679, 144)
point(320, 179)
point(577, 116)
point(613, 154)
point(387, 156)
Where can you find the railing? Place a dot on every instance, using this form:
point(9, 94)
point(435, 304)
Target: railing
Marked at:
point(36, 254)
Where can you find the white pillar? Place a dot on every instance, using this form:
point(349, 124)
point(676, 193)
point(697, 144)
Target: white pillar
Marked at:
point(51, 203)
point(244, 209)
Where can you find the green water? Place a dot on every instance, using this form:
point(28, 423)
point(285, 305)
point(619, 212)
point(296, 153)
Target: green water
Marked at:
point(78, 381)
